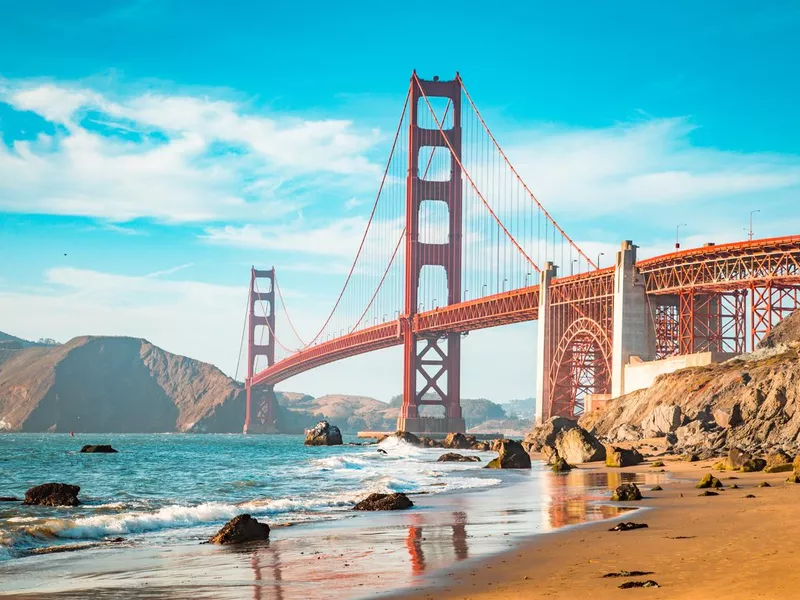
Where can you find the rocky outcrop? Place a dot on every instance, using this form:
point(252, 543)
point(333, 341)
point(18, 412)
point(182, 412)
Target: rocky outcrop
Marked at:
point(709, 481)
point(546, 433)
point(397, 501)
point(511, 456)
point(661, 421)
point(431, 443)
point(241, 529)
point(98, 449)
point(53, 494)
point(622, 457)
point(750, 402)
point(578, 446)
point(561, 466)
point(323, 434)
point(454, 457)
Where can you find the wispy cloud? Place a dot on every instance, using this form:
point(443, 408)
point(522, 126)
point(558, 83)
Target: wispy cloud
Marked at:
point(182, 159)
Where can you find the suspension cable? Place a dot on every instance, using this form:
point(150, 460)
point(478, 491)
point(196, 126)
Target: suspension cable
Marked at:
point(469, 178)
point(508, 162)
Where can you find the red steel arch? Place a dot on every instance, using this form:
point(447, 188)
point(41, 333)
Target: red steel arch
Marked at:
point(581, 365)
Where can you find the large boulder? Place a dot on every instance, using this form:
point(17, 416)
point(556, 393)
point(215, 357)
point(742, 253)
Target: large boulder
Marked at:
point(323, 434)
point(578, 446)
point(622, 457)
point(457, 441)
point(454, 457)
point(397, 501)
point(661, 421)
point(98, 449)
point(546, 433)
point(709, 481)
point(778, 461)
point(511, 456)
point(737, 457)
point(53, 494)
point(692, 435)
point(241, 529)
point(627, 492)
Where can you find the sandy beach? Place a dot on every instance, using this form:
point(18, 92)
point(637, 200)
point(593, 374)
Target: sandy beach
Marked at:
point(725, 546)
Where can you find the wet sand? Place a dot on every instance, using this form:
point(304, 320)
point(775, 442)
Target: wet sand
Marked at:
point(362, 555)
point(725, 546)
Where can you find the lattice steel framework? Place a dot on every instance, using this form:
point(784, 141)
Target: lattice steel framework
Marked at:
point(580, 324)
point(260, 411)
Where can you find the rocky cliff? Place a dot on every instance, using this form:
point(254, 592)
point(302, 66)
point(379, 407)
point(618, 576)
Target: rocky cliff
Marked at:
point(114, 384)
point(751, 402)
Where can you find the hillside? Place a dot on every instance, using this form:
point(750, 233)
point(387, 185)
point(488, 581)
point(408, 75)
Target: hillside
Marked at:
point(114, 384)
point(752, 401)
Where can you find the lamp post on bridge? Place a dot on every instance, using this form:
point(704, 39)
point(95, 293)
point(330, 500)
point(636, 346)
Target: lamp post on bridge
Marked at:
point(572, 266)
point(599, 254)
point(750, 231)
point(677, 230)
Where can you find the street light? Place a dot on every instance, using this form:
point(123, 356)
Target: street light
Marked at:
point(750, 231)
point(599, 254)
point(572, 266)
point(677, 229)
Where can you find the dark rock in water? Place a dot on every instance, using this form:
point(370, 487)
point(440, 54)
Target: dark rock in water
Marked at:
point(98, 449)
point(753, 465)
point(457, 441)
point(453, 457)
point(323, 434)
point(627, 492)
point(384, 502)
point(708, 493)
point(408, 438)
point(53, 494)
point(628, 526)
point(238, 530)
point(512, 456)
point(577, 446)
point(621, 457)
point(628, 574)
point(638, 584)
point(561, 466)
point(709, 481)
point(9, 499)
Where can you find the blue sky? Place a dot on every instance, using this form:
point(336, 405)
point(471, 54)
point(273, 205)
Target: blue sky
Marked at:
point(165, 146)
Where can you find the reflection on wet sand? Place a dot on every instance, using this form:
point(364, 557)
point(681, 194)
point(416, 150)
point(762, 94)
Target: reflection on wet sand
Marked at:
point(274, 587)
point(458, 538)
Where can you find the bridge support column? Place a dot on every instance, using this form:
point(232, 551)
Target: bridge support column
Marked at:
point(544, 345)
point(260, 402)
point(632, 330)
point(432, 365)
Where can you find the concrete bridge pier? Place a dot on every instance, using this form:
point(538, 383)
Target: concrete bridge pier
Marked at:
point(633, 333)
point(544, 346)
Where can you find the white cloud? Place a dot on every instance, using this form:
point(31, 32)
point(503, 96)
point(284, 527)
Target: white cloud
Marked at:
point(172, 158)
point(601, 171)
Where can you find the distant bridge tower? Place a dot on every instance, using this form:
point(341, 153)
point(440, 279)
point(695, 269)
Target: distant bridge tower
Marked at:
point(261, 402)
point(432, 360)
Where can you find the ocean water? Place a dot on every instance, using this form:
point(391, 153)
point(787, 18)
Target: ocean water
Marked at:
point(169, 488)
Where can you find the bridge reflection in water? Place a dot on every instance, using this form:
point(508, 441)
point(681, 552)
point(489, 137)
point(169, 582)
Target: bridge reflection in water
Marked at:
point(396, 550)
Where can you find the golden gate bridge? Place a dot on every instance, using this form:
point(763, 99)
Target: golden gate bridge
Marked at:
point(456, 241)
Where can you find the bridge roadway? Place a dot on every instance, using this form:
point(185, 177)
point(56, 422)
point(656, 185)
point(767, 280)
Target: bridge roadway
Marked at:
point(749, 265)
